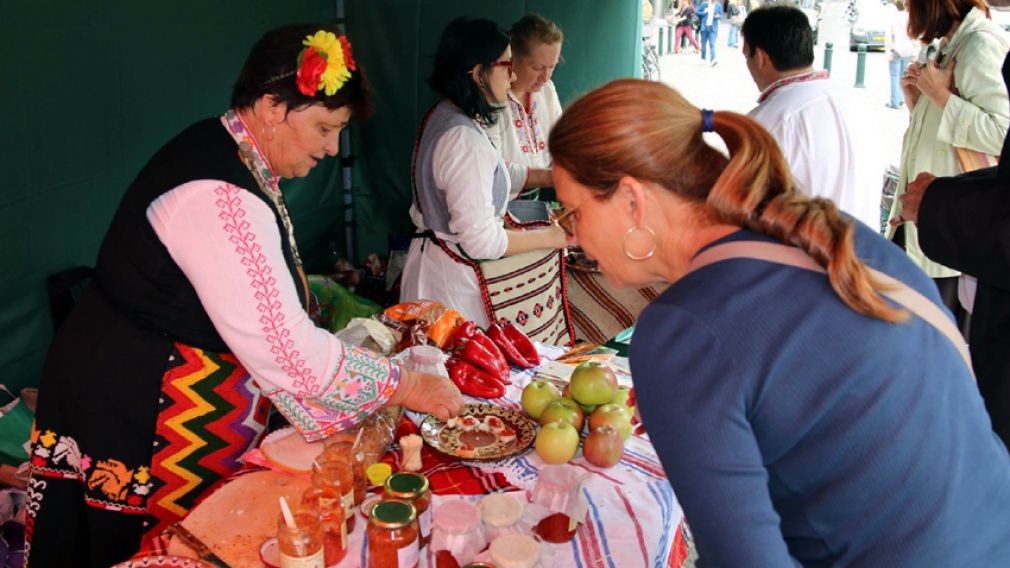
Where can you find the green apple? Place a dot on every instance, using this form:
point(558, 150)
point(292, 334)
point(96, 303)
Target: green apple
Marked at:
point(557, 442)
point(537, 395)
point(593, 384)
point(563, 410)
point(603, 446)
point(613, 415)
point(586, 408)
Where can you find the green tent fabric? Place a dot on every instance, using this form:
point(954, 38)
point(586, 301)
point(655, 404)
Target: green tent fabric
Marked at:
point(94, 89)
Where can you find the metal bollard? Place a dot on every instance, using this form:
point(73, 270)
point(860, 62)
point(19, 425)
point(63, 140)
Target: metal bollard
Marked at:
point(669, 39)
point(829, 49)
point(659, 48)
point(861, 66)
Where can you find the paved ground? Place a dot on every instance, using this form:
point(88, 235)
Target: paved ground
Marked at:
point(728, 85)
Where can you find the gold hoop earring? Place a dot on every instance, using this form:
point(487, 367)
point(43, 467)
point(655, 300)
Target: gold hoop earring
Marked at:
point(646, 256)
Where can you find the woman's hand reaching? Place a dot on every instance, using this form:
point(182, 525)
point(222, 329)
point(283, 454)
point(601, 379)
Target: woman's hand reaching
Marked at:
point(937, 83)
point(431, 394)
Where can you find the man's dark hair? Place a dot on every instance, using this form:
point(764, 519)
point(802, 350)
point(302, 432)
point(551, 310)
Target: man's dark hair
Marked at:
point(784, 33)
point(465, 43)
point(272, 67)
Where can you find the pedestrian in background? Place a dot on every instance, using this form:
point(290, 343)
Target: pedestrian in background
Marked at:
point(684, 22)
point(959, 114)
point(735, 14)
point(901, 49)
point(709, 13)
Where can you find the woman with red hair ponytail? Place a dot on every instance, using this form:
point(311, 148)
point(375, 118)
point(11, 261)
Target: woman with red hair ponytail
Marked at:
point(766, 373)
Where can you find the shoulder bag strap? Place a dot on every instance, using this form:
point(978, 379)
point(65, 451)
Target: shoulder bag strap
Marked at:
point(897, 291)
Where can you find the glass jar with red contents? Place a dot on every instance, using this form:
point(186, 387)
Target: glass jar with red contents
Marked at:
point(413, 488)
point(457, 535)
point(329, 502)
point(558, 490)
point(392, 535)
point(301, 543)
point(357, 460)
point(334, 469)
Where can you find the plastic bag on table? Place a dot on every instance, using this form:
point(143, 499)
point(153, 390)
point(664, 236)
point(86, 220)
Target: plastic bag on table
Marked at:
point(370, 334)
point(421, 322)
point(379, 431)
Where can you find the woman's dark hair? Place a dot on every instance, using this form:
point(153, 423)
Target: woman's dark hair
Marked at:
point(647, 130)
point(932, 19)
point(532, 29)
point(272, 69)
point(465, 43)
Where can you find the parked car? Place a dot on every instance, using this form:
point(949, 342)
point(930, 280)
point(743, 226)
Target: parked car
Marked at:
point(870, 23)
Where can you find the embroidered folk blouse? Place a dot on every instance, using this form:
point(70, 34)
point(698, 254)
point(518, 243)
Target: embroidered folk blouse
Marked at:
point(227, 242)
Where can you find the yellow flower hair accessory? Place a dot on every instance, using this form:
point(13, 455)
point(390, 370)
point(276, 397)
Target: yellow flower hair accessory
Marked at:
point(325, 64)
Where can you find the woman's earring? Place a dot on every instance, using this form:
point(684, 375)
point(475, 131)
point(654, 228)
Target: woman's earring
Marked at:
point(652, 248)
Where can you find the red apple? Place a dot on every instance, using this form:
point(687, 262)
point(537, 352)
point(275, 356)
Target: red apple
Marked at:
point(557, 442)
point(603, 446)
point(613, 415)
point(537, 395)
point(593, 384)
point(565, 410)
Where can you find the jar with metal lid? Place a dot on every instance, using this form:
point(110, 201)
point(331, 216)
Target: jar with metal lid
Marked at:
point(456, 533)
point(515, 551)
point(301, 544)
point(392, 535)
point(501, 514)
point(334, 469)
point(413, 488)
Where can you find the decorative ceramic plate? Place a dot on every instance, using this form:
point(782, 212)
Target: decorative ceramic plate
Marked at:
point(163, 562)
point(483, 432)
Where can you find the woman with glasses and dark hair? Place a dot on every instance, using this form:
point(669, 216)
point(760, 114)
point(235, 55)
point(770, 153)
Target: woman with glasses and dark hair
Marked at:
point(461, 188)
point(162, 376)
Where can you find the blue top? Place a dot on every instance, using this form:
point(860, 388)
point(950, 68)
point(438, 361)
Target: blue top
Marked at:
point(794, 430)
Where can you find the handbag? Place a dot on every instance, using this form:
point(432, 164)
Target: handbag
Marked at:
point(969, 160)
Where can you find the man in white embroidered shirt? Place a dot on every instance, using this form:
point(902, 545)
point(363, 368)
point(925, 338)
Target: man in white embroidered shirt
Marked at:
point(809, 115)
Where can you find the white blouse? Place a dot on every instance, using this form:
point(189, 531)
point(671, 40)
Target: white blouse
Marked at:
point(464, 162)
point(522, 136)
point(227, 243)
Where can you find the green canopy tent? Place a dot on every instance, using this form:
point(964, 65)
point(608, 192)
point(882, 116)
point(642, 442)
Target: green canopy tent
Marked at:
point(92, 90)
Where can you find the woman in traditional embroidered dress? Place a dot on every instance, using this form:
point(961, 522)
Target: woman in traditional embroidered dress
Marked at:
point(532, 106)
point(162, 377)
point(957, 100)
point(766, 374)
point(461, 184)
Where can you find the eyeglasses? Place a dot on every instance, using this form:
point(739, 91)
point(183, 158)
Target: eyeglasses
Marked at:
point(566, 221)
point(506, 64)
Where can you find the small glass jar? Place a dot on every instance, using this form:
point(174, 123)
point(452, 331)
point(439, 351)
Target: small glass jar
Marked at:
point(456, 535)
point(501, 514)
point(426, 359)
point(329, 503)
point(392, 535)
point(558, 490)
point(357, 461)
point(301, 546)
point(413, 488)
point(515, 551)
point(336, 471)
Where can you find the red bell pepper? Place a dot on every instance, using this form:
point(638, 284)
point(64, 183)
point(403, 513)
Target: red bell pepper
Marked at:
point(522, 343)
point(463, 332)
point(508, 350)
point(472, 381)
point(499, 359)
point(492, 363)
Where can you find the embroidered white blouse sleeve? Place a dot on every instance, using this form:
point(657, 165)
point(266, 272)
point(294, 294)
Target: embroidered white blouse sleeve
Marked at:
point(464, 162)
point(227, 243)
